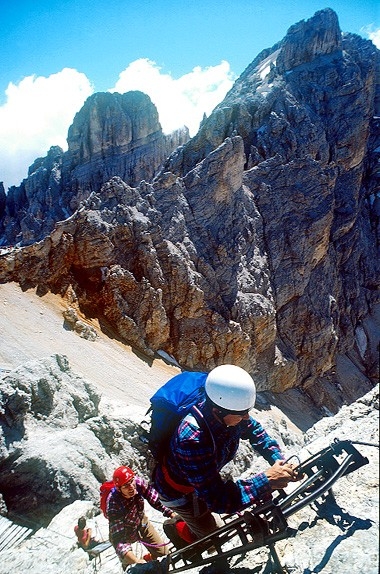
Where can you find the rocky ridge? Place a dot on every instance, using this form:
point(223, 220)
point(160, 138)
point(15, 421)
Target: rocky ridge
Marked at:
point(112, 135)
point(255, 243)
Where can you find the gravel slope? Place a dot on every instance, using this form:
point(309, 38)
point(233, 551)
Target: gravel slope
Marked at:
point(32, 327)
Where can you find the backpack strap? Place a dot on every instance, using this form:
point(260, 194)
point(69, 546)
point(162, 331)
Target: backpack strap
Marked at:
point(202, 422)
point(183, 488)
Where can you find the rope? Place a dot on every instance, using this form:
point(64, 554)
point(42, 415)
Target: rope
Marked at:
point(97, 529)
point(364, 443)
point(152, 545)
point(336, 440)
point(37, 526)
point(294, 456)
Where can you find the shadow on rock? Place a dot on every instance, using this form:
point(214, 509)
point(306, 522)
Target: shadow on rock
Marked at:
point(330, 511)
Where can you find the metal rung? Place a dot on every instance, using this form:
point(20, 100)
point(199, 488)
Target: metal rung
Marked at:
point(12, 534)
point(248, 532)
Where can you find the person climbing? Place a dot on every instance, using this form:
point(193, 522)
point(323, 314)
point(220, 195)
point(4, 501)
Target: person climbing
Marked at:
point(84, 535)
point(128, 522)
point(188, 479)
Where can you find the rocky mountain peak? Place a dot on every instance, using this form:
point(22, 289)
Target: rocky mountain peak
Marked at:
point(115, 121)
point(112, 135)
point(310, 39)
point(254, 243)
point(110, 127)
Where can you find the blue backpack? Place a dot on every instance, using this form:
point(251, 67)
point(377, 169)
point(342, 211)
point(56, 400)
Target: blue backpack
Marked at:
point(169, 405)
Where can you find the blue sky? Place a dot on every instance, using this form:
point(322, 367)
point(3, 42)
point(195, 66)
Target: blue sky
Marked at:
point(186, 55)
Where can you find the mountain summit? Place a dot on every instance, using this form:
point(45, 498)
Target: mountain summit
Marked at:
point(253, 243)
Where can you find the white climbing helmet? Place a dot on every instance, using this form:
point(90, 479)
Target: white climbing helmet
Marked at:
point(231, 388)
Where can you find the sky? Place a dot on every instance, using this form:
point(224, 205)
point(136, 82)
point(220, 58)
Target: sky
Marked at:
point(185, 55)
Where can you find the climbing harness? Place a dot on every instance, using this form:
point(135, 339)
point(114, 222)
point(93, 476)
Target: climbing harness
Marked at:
point(266, 524)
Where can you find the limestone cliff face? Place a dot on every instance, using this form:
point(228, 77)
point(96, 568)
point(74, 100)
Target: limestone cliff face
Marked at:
point(112, 135)
point(257, 241)
point(3, 199)
point(115, 135)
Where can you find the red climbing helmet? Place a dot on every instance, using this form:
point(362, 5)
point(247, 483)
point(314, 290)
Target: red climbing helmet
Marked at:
point(122, 475)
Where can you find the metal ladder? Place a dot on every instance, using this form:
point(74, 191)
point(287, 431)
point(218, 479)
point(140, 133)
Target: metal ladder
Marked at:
point(266, 524)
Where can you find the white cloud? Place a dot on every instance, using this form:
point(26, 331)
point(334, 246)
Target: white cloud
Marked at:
point(39, 110)
point(372, 34)
point(375, 37)
point(37, 115)
point(181, 101)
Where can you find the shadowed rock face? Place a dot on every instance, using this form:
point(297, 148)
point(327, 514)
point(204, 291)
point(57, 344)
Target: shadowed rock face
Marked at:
point(256, 243)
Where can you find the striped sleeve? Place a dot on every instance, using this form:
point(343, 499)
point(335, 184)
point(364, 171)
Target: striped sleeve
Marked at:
point(197, 461)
